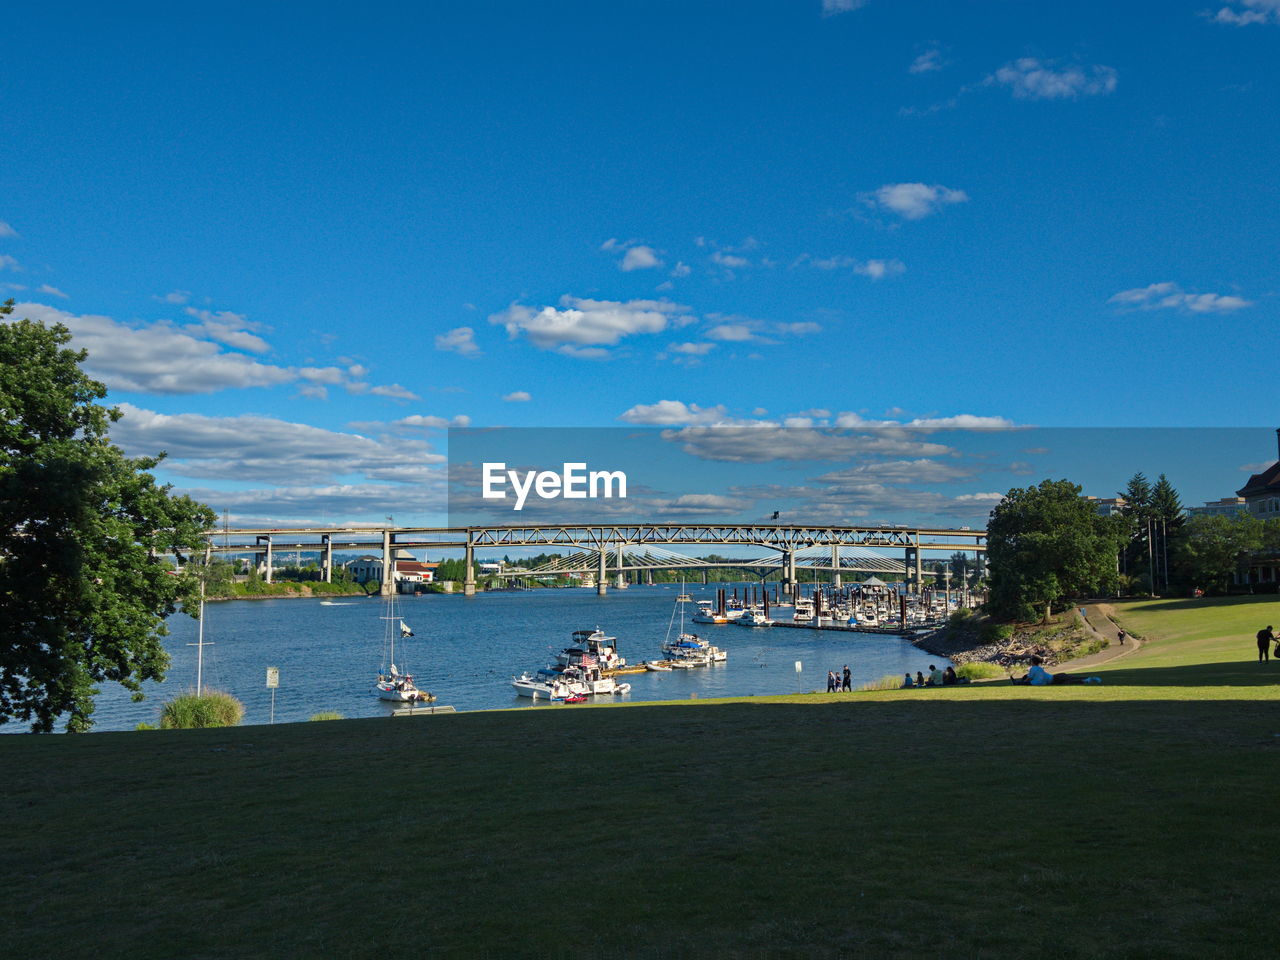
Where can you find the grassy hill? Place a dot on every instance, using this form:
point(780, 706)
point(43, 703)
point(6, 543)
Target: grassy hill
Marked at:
point(1133, 819)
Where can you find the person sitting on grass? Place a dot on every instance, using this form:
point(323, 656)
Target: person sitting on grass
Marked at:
point(919, 679)
point(907, 681)
point(935, 676)
point(1037, 676)
point(949, 677)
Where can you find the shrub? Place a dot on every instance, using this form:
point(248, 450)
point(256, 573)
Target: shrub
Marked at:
point(890, 681)
point(960, 616)
point(146, 726)
point(979, 670)
point(213, 708)
point(997, 632)
point(326, 715)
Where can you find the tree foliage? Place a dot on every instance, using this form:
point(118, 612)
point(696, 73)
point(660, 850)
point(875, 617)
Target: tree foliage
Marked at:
point(1045, 544)
point(84, 588)
point(1214, 549)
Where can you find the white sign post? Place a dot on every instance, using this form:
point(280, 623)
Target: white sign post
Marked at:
point(273, 681)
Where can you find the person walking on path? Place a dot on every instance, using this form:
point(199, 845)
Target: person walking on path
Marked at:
point(1121, 635)
point(846, 685)
point(831, 682)
point(1265, 639)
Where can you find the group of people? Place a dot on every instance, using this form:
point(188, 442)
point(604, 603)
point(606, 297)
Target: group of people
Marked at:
point(838, 682)
point(936, 678)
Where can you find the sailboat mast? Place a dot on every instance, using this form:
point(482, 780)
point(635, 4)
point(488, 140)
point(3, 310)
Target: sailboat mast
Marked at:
point(200, 645)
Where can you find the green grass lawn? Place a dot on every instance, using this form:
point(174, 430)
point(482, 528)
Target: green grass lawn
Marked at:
point(1133, 819)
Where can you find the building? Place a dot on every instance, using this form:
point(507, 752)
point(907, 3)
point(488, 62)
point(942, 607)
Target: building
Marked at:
point(1262, 493)
point(1108, 506)
point(407, 569)
point(1226, 507)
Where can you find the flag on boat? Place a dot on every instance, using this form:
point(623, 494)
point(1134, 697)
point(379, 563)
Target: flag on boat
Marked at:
point(404, 630)
point(589, 660)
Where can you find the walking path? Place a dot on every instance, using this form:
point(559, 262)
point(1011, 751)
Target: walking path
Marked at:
point(1097, 618)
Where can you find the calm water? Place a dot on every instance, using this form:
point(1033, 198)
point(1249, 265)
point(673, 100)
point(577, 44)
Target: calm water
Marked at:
point(466, 650)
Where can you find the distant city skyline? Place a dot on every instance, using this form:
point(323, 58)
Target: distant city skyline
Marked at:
point(300, 249)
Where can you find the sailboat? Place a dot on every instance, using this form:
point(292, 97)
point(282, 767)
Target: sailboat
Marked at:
point(392, 684)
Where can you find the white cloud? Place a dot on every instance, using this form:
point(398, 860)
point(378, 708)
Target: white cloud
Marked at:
point(518, 396)
point(832, 7)
point(432, 422)
point(156, 357)
point(1242, 13)
point(874, 269)
point(394, 392)
point(162, 358)
point(458, 340)
point(879, 269)
point(258, 448)
point(328, 375)
point(229, 328)
point(1170, 296)
point(582, 328)
point(729, 261)
point(175, 297)
point(928, 62)
point(639, 258)
point(799, 329)
point(6, 230)
point(692, 349)
point(732, 332)
point(8, 263)
point(1031, 79)
point(681, 270)
point(52, 291)
point(913, 201)
point(672, 412)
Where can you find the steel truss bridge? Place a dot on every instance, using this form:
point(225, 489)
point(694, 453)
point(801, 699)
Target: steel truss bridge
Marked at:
point(616, 548)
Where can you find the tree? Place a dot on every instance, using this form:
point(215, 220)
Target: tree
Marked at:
point(1044, 544)
point(1216, 548)
point(84, 588)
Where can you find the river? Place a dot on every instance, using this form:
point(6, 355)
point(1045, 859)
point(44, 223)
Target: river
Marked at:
point(465, 651)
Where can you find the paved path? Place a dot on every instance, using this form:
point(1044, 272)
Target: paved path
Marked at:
point(1097, 618)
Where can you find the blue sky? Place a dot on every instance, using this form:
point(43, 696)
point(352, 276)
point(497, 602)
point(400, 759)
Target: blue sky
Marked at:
point(300, 240)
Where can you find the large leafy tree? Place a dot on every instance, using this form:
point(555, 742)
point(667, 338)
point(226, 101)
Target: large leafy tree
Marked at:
point(84, 586)
point(1045, 544)
point(1215, 549)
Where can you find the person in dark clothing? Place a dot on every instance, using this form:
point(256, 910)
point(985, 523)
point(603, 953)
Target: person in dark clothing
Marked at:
point(831, 682)
point(846, 684)
point(1121, 634)
point(1265, 639)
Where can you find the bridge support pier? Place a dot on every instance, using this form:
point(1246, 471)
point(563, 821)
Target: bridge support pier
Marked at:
point(602, 574)
point(789, 572)
point(620, 580)
point(268, 572)
point(705, 577)
point(326, 561)
point(648, 578)
point(469, 574)
point(835, 567)
point(388, 585)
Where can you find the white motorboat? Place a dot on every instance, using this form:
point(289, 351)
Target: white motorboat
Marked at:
point(653, 667)
point(592, 648)
point(754, 617)
point(537, 686)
